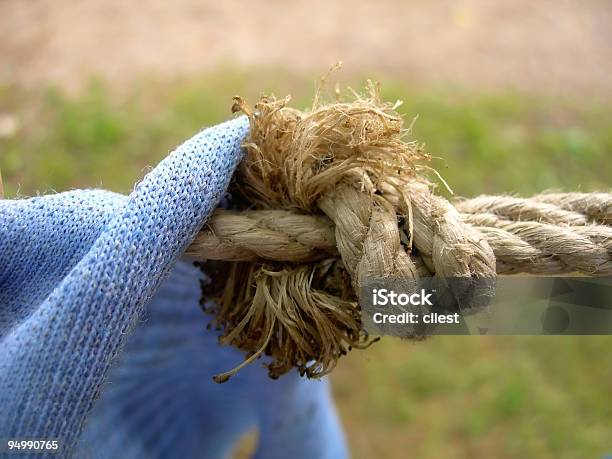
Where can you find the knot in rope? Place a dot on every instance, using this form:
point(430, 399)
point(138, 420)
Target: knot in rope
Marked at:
point(326, 198)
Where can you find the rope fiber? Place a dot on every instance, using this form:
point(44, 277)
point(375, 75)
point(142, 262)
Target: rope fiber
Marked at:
point(331, 196)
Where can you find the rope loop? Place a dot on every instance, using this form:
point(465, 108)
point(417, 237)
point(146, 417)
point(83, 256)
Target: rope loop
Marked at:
point(330, 197)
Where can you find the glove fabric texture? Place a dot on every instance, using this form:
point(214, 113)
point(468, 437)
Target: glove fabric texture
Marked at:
point(103, 345)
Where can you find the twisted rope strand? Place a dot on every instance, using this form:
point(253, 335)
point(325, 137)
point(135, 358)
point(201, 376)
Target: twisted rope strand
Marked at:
point(275, 235)
point(367, 236)
point(576, 251)
point(517, 209)
point(596, 206)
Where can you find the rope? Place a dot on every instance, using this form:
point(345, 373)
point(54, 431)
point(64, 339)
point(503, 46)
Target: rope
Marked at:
point(332, 196)
point(535, 235)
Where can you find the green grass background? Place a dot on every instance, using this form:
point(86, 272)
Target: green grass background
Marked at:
point(462, 397)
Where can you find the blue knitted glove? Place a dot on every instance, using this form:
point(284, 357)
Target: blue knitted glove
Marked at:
point(78, 272)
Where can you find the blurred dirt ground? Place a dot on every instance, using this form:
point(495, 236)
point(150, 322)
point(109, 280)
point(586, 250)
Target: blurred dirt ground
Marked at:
point(553, 46)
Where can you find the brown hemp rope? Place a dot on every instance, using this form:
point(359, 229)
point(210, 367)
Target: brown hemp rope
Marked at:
point(334, 195)
point(520, 243)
